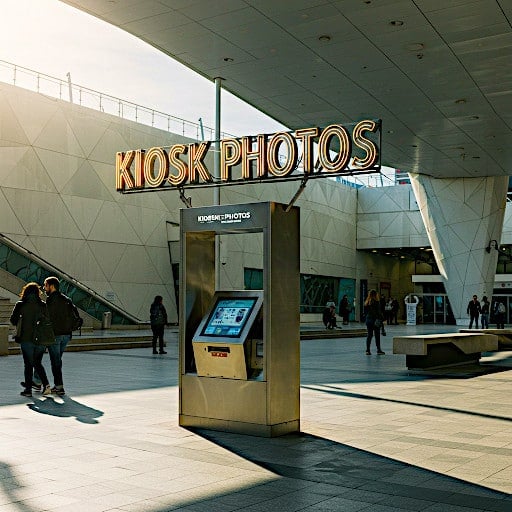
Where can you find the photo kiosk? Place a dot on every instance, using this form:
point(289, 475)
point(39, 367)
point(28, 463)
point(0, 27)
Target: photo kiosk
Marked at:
point(240, 349)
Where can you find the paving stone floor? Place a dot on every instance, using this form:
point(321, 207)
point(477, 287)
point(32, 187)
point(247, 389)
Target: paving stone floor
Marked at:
point(374, 438)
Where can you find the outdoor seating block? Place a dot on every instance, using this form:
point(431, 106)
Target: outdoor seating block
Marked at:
point(440, 350)
point(504, 336)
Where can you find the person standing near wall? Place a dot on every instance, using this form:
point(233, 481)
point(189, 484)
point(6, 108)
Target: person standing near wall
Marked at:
point(485, 313)
point(158, 318)
point(499, 314)
point(345, 309)
point(473, 311)
point(374, 321)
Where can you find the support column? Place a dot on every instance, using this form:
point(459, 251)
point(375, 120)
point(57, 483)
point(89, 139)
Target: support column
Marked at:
point(462, 217)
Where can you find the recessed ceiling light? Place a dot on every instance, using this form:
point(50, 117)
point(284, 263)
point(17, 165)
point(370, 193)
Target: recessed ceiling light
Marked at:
point(415, 47)
point(324, 38)
point(396, 23)
point(228, 59)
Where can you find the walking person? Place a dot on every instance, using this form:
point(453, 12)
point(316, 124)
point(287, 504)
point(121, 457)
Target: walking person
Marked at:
point(374, 321)
point(26, 314)
point(473, 311)
point(158, 319)
point(64, 317)
point(484, 315)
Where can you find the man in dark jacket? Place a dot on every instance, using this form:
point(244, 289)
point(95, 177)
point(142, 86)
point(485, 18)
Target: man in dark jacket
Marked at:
point(473, 311)
point(59, 309)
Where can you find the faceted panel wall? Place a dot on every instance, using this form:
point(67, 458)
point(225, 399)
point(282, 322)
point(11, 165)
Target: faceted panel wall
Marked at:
point(462, 217)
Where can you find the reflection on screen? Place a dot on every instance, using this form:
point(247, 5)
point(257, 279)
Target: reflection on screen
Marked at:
point(228, 317)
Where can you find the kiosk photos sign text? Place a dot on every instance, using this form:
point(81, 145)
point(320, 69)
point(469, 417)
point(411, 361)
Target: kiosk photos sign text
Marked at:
point(305, 153)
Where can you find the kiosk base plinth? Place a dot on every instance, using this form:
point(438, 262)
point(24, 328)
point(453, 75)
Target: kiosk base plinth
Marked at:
point(240, 427)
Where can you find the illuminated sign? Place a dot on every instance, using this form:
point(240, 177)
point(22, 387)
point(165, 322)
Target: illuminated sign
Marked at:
point(305, 153)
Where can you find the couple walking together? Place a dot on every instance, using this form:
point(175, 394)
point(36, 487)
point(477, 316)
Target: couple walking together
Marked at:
point(42, 326)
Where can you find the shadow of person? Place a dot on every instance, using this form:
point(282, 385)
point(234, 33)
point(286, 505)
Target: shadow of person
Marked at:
point(68, 408)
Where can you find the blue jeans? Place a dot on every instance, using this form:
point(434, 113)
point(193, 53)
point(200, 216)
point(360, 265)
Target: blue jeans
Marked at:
point(32, 359)
point(56, 350)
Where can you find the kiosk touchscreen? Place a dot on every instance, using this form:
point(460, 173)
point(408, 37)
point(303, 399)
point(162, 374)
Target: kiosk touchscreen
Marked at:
point(223, 340)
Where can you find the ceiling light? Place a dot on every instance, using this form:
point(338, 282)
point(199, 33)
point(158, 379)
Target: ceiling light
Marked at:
point(324, 38)
point(396, 23)
point(414, 47)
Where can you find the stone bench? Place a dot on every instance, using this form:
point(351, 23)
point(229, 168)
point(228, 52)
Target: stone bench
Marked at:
point(439, 350)
point(504, 336)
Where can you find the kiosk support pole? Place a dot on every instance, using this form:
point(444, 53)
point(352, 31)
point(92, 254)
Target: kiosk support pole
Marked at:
point(216, 171)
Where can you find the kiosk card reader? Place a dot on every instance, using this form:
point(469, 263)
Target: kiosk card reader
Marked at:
point(226, 341)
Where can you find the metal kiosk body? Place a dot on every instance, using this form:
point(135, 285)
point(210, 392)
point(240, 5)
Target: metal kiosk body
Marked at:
point(268, 405)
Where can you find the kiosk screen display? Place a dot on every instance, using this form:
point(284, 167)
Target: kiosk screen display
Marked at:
point(228, 317)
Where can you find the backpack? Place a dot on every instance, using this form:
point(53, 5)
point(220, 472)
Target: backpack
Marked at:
point(73, 319)
point(157, 316)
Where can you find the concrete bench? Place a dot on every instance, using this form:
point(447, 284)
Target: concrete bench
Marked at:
point(438, 350)
point(504, 336)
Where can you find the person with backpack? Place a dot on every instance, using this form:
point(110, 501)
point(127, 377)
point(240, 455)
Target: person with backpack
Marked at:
point(499, 314)
point(65, 319)
point(158, 319)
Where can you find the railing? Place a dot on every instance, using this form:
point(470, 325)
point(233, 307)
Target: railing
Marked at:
point(83, 96)
point(27, 266)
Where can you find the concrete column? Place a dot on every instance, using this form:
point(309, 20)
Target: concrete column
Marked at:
point(462, 216)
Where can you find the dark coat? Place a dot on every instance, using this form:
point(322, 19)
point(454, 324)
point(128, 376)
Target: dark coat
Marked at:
point(157, 314)
point(30, 309)
point(373, 311)
point(59, 311)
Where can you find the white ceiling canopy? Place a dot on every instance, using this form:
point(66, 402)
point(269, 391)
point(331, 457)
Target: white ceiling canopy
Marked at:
point(437, 72)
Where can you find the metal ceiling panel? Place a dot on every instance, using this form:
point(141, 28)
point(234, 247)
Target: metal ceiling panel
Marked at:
point(438, 73)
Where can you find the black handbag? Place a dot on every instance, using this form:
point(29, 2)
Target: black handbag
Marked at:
point(43, 332)
point(17, 336)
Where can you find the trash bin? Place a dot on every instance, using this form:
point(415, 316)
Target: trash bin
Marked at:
point(107, 320)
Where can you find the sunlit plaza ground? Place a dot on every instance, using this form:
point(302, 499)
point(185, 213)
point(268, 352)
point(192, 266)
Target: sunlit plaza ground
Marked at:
point(374, 437)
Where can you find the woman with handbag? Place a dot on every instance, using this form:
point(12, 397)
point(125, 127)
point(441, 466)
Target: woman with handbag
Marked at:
point(374, 321)
point(28, 315)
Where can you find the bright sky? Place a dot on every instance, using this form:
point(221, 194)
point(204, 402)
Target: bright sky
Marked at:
point(54, 38)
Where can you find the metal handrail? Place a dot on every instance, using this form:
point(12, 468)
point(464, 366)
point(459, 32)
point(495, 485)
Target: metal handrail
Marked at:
point(86, 97)
point(60, 273)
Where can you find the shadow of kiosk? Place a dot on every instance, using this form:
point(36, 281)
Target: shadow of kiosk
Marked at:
point(240, 350)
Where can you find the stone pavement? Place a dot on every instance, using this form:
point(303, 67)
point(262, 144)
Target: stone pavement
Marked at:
point(374, 438)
